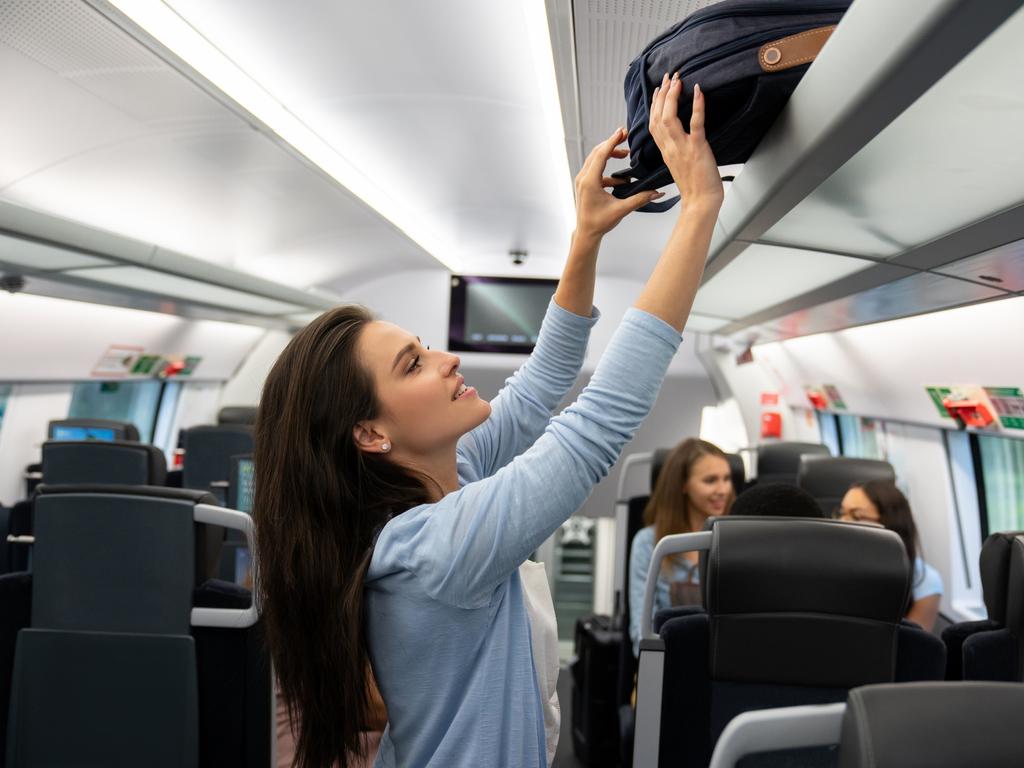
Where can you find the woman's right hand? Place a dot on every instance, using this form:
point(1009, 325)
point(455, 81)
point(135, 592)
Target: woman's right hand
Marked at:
point(687, 155)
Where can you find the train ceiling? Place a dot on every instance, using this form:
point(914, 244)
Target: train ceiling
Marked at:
point(290, 155)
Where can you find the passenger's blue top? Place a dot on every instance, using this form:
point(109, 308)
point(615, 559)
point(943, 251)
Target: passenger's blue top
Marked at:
point(927, 580)
point(639, 564)
point(447, 626)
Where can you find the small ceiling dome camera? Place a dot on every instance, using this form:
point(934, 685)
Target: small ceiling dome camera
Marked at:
point(518, 257)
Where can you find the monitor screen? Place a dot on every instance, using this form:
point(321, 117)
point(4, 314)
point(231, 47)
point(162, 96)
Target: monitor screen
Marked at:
point(497, 314)
point(64, 432)
point(241, 484)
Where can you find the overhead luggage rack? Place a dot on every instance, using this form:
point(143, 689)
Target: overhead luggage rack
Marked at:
point(830, 181)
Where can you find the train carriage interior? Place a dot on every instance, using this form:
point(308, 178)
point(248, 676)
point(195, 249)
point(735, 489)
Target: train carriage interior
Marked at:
point(185, 186)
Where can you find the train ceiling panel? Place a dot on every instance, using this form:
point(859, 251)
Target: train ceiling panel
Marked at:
point(953, 157)
point(912, 295)
point(1002, 267)
point(110, 135)
point(763, 276)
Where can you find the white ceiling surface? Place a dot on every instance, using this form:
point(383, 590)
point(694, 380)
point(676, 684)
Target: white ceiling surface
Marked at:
point(439, 103)
point(953, 157)
point(97, 129)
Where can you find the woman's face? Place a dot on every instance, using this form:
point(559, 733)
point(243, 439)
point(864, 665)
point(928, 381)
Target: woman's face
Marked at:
point(709, 486)
point(425, 407)
point(856, 507)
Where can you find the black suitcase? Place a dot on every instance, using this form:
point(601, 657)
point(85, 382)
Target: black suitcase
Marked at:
point(747, 56)
point(595, 719)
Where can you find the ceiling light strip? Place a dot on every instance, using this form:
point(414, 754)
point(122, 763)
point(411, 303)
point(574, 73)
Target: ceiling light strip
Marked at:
point(542, 55)
point(185, 42)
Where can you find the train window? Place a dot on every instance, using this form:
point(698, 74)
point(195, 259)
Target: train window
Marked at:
point(5, 393)
point(828, 425)
point(134, 401)
point(861, 438)
point(1002, 473)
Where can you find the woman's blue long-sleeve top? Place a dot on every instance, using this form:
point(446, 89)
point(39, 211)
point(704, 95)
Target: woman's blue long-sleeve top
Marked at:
point(447, 625)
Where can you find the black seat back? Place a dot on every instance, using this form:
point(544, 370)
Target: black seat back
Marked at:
point(142, 583)
point(98, 698)
point(798, 611)
point(738, 471)
point(237, 414)
point(828, 478)
point(942, 725)
point(824, 597)
point(118, 462)
point(993, 649)
point(208, 452)
point(780, 462)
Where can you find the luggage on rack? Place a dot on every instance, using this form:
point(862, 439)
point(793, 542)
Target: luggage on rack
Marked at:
point(747, 56)
point(595, 724)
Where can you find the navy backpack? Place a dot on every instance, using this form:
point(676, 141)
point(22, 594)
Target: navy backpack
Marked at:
point(747, 55)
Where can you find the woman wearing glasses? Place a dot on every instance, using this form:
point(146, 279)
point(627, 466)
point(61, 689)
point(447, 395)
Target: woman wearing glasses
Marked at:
point(880, 501)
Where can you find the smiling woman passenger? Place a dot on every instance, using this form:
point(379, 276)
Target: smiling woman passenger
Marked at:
point(694, 484)
point(394, 507)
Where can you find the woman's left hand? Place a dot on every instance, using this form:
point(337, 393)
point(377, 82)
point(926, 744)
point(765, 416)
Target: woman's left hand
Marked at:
point(597, 211)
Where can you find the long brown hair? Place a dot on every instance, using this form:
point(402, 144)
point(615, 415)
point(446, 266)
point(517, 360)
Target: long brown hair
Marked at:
point(319, 502)
point(893, 513)
point(668, 509)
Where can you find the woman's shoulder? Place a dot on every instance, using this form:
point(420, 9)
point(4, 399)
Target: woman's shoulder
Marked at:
point(644, 537)
point(398, 541)
point(927, 580)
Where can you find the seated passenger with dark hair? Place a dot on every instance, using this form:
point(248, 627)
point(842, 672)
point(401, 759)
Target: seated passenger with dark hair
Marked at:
point(776, 499)
point(880, 501)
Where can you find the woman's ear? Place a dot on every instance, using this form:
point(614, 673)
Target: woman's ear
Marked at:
point(370, 440)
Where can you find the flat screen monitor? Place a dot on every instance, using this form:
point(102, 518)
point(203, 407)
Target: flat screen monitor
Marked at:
point(58, 432)
point(240, 488)
point(497, 314)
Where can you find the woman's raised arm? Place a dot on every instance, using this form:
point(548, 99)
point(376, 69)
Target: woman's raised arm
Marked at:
point(521, 410)
point(672, 286)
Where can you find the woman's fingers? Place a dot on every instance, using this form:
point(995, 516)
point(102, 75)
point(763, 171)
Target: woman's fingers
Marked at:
point(657, 103)
point(697, 117)
point(611, 181)
point(620, 152)
point(670, 104)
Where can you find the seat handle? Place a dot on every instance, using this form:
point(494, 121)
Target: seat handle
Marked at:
point(669, 545)
point(229, 618)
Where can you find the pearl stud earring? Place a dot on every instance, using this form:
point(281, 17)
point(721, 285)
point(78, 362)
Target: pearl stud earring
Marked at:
point(385, 447)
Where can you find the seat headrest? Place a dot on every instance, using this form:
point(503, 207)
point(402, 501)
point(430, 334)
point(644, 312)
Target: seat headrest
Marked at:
point(1015, 594)
point(162, 492)
point(738, 471)
point(941, 724)
point(995, 572)
point(828, 479)
point(824, 599)
point(93, 429)
point(113, 462)
point(776, 500)
point(657, 462)
point(784, 458)
point(237, 414)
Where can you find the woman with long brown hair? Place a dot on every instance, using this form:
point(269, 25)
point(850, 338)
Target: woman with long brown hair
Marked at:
point(394, 507)
point(695, 483)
